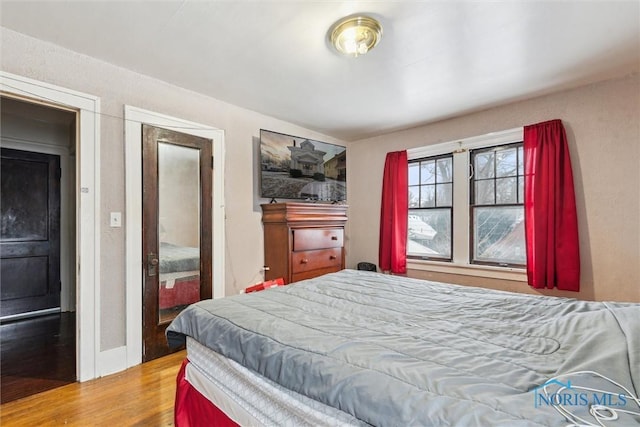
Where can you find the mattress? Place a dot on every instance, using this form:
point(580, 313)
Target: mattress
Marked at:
point(250, 399)
point(390, 350)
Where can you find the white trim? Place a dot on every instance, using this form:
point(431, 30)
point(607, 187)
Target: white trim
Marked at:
point(112, 361)
point(487, 140)
point(503, 273)
point(134, 117)
point(461, 219)
point(66, 264)
point(461, 223)
point(87, 208)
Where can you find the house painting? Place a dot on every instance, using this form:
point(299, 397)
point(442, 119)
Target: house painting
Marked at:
point(336, 167)
point(307, 159)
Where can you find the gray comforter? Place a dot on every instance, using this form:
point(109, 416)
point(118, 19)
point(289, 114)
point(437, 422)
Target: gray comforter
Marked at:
point(401, 352)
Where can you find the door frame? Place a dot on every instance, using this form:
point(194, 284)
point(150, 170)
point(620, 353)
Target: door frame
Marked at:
point(134, 117)
point(87, 206)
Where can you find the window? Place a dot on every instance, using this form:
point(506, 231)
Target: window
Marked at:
point(497, 209)
point(466, 206)
point(430, 208)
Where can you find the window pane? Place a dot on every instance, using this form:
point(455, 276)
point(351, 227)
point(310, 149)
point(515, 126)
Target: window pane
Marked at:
point(520, 161)
point(427, 196)
point(444, 194)
point(428, 172)
point(506, 190)
point(498, 235)
point(483, 167)
point(444, 170)
point(506, 163)
point(414, 173)
point(521, 189)
point(429, 233)
point(414, 193)
point(485, 193)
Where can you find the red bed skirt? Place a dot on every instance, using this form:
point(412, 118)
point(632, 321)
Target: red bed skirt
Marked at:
point(193, 409)
point(184, 292)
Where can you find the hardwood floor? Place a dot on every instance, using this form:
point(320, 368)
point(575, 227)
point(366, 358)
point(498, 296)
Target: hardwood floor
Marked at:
point(140, 396)
point(37, 354)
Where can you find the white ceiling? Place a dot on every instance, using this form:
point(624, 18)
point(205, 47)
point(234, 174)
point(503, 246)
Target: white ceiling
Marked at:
point(435, 60)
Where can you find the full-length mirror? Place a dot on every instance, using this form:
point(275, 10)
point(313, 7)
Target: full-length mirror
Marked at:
point(178, 228)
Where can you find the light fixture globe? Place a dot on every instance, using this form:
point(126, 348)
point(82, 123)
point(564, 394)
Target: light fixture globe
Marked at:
point(355, 36)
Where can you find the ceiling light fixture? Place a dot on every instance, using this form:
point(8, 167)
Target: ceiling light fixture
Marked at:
point(355, 35)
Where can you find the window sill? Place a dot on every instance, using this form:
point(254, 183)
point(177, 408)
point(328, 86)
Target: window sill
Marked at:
point(502, 273)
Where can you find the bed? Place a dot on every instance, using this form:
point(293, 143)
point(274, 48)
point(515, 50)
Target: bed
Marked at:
point(179, 276)
point(363, 348)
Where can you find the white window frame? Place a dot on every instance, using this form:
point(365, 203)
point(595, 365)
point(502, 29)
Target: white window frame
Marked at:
point(460, 263)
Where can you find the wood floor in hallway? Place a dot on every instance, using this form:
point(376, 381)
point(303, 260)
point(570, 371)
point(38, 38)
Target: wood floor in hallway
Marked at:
point(37, 354)
point(140, 396)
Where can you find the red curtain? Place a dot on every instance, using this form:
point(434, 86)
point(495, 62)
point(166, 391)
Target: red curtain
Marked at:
point(394, 214)
point(551, 223)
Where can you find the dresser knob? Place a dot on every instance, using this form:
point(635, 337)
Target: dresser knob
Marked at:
point(332, 257)
point(334, 237)
point(304, 261)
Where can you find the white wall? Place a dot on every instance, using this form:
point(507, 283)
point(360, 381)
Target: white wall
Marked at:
point(29, 57)
point(603, 130)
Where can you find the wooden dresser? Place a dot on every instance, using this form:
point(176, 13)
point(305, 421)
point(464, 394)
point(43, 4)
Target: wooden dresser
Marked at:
point(303, 240)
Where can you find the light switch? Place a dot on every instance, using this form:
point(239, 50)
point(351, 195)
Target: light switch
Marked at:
point(115, 219)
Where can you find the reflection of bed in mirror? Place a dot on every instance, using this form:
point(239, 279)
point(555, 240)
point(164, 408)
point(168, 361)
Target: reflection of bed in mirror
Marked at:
point(179, 278)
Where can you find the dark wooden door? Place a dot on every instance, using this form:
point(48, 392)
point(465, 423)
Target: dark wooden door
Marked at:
point(177, 229)
point(30, 231)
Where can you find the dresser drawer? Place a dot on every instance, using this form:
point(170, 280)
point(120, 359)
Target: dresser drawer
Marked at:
point(317, 238)
point(313, 260)
point(296, 277)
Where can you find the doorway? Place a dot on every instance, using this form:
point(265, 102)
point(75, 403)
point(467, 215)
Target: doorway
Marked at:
point(134, 118)
point(37, 247)
point(86, 179)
